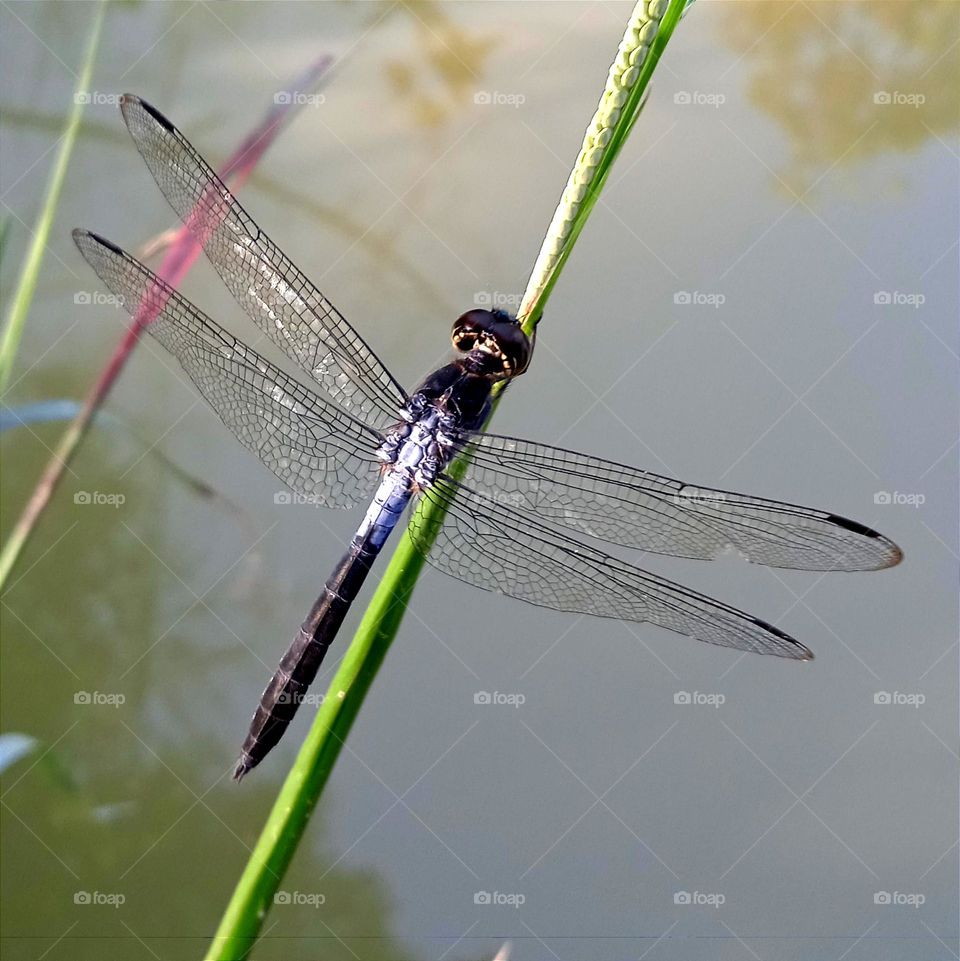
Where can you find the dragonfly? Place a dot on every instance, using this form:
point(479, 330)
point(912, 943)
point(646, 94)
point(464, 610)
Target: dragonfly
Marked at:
point(518, 517)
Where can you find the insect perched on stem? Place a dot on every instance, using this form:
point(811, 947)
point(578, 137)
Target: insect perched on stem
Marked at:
point(510, 519)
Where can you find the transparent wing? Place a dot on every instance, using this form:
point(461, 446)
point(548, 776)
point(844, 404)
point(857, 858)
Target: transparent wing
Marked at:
point(275, 294)
point(499, 549)
point(313, 446)
point(635, 508)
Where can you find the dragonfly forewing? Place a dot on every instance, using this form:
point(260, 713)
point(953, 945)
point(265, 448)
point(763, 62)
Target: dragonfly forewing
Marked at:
point(274, 293)
point(635, 508)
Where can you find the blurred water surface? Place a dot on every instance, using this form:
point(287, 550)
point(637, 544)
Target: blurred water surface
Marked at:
point(766, 300)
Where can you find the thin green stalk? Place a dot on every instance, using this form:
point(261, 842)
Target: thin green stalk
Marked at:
point(616, 114)
point(30, 272)
point(301, 790)
point(4, 234)
point(182, 253)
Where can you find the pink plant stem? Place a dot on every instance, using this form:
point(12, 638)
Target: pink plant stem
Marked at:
point(178, 260)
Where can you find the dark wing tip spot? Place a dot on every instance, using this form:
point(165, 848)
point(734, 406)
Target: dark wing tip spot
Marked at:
point(87, 239)
point(792, 647)
point(96, 238)
point(894, 554)
point(853, 526)
point(128, 100)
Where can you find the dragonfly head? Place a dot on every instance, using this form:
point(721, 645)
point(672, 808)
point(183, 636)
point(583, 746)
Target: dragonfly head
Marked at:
point(495, 344)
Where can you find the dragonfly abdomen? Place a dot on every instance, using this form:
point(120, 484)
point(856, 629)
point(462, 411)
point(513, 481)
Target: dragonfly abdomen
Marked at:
point(414, 454)
point(299, 665)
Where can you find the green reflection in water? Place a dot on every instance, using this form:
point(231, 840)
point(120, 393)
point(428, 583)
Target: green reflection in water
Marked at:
point(824, 72)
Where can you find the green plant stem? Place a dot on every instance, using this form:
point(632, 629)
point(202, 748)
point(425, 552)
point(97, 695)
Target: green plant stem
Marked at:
point(181, 254)
point(301, 790)
point(619, 107)
point(23, 296)
point(30, 271)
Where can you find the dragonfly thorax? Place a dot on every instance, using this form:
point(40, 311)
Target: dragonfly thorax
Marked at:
point(420, 447)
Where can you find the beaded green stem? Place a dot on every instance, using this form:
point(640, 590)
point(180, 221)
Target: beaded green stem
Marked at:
point(648, 30)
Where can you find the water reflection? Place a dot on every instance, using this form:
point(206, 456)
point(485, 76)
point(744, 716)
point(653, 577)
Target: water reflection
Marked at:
point(440, 72)
point(133, 799)
point(123, 786)
point(848, 81)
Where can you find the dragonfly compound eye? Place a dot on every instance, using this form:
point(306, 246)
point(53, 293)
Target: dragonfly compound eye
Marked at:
point(495, 344)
